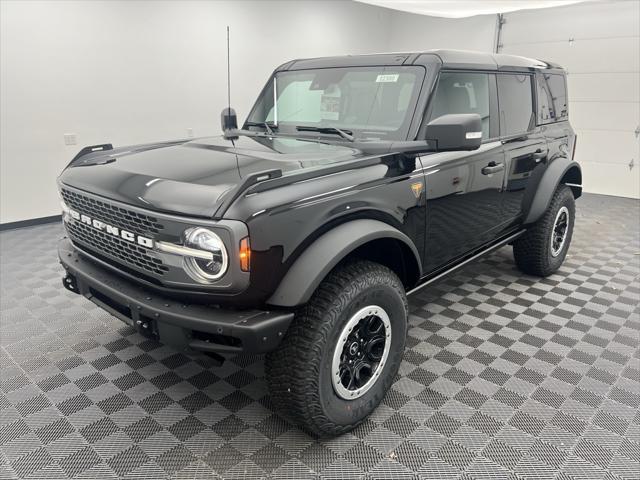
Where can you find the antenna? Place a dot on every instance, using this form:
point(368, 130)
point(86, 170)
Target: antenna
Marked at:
point(228, 73)
point(229, 118)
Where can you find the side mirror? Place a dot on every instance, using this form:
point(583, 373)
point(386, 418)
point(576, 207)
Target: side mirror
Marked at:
point(458, 131)
point(229, 122)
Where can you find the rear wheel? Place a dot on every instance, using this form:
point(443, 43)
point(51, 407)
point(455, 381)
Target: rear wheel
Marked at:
point(342, 351)
point(543, 248)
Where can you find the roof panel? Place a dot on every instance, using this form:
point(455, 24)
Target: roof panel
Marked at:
point(449, 58)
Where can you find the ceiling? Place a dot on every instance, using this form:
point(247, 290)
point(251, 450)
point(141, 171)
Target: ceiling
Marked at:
point(466, 8)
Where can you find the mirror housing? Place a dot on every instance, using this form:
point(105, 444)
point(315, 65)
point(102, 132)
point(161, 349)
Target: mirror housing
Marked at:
point(229, 122)
point(457, 131)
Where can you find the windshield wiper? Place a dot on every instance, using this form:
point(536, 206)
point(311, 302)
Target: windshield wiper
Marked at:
point(268, 127)
point(347, 135)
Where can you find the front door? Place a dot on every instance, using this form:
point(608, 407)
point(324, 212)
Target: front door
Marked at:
point(464, 189)
point(464, 202)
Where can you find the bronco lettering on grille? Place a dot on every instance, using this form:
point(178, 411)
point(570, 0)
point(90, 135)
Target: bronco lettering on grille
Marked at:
point(110, 229)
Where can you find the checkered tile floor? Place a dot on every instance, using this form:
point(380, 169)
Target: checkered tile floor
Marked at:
point(505, 376)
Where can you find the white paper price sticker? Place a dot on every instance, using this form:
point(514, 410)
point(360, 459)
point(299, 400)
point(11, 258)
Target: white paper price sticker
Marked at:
point(387, 78)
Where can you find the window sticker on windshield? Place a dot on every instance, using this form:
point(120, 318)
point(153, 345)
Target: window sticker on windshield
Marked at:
point(387, 78)
point(330, 107)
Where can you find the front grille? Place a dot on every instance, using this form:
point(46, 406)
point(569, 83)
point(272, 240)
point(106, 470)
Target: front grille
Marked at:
point(115, 247)
point(123, 218)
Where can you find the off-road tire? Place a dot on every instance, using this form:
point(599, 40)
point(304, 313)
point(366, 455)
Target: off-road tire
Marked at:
point(532, 251)
point(299, 371)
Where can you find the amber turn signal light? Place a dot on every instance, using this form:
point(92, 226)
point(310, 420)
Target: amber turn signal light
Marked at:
point(245, 254)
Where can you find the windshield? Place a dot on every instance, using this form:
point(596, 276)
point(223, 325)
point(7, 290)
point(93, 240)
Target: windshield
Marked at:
point(367, 102)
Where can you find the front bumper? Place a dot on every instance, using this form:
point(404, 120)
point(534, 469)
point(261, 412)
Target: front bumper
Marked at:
point(183, 326)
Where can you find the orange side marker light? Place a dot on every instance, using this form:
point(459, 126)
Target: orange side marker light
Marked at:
point(245, 255)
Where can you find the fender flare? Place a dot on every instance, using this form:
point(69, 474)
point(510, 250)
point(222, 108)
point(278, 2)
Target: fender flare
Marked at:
point(547, 187)
point(319, 258)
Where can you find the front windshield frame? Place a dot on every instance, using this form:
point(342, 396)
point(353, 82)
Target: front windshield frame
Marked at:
point(258, 114)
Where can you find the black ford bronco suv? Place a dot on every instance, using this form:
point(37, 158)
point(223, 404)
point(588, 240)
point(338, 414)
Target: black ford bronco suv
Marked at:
point(354, 181)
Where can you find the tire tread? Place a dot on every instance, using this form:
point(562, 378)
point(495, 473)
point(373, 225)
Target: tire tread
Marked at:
point(294, 379)
point(531, 250)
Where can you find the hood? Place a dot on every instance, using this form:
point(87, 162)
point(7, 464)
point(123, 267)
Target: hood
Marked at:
point(194, 177)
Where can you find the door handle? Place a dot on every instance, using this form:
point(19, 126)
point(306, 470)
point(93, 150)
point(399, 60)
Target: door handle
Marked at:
point(492, 168)
point(539, 154)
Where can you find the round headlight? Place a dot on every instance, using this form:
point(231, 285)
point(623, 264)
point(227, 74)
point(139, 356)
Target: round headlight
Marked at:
point(206, 270)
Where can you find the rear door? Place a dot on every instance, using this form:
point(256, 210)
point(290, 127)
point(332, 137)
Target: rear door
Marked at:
point(463, 189)
point(524, 143)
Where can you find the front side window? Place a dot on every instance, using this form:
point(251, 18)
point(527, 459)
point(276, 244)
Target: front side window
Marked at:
point(370, 102)
point(516, 103)
point(460, 92)
point(552, 98)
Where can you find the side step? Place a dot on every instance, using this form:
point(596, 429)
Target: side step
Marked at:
point(467, 260)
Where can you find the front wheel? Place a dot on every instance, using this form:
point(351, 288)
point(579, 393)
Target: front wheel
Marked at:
point(543, 248)
point(342, 351)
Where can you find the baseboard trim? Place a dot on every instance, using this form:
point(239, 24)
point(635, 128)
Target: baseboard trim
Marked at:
point(32, 222)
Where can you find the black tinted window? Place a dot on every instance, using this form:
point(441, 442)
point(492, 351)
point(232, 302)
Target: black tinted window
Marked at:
point(516, 103)
point(463, 93)
point(552, 98)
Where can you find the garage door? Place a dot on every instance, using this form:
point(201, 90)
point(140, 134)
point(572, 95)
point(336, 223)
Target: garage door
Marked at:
point(599, 45)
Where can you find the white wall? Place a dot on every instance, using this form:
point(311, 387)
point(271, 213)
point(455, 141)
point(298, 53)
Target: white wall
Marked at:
point(411, 32)
point(604, 82)
point(129, 72)
point(137, 71)
point(603, 63)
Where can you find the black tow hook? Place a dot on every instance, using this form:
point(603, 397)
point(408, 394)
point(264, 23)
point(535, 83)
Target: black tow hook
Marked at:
point(70, 283)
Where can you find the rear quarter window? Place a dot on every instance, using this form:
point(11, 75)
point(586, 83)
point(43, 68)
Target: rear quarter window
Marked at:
point(552, 98)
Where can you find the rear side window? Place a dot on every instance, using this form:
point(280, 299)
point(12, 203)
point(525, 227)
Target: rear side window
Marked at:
point(552, 98)
point(515, 101)
point(460, 92)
